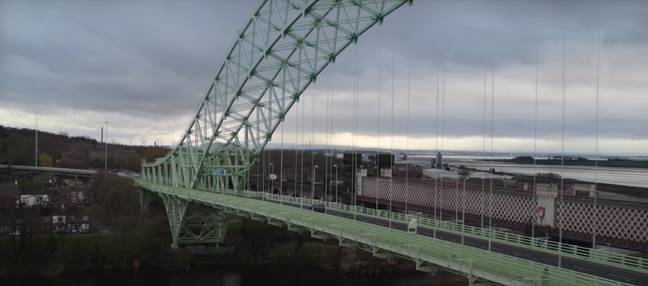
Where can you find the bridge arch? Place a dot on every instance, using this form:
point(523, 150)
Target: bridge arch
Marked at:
point(281, 50)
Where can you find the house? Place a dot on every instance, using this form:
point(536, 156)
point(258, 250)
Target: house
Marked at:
point(78, 197)
point(9, 194)
point(72, 220)
point(588, 189)
point(16, 221)
point(34, 200)
point(7, 221)
point(555, 188)
point(58, 224)
point(78, 224)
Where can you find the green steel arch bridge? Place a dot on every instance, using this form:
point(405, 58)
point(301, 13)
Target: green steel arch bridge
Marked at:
point(281, 50)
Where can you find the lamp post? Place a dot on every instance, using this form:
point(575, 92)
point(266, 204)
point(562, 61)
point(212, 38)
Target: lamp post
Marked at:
point(270, 178)
point(36, 143)
point(106, 150)
point(313, 186)
point(336, 182)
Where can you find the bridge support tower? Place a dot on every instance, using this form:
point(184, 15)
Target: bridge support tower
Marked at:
point(192, 223)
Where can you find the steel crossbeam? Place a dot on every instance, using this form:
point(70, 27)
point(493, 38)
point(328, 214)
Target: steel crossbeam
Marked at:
point(426, 252)
point(282, 49)
point(278, 54)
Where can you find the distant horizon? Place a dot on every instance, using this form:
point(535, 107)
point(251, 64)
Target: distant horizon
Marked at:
point(293, 146)
point(455, 70)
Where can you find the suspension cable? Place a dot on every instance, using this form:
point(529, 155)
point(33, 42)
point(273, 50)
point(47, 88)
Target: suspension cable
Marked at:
point(296, 154)
point(354, 143)
point(443, 87)
point(596, 162)
point(281, 160)
point(391, 144)
point(263, 175)
point(436, 146)
point(492, 151)
point(562, 153)
point(407, 165)
point(484, 120)
point(327, 178)
point(334, 160)
point(378, 134)
point(310, 147)
point(303, 146)
point(535, 147)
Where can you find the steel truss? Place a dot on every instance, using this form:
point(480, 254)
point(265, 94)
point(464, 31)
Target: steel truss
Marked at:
point(281, 50)
point(192, 223)
point(427, 253)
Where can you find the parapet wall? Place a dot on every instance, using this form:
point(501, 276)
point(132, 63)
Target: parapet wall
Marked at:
point(622, 225)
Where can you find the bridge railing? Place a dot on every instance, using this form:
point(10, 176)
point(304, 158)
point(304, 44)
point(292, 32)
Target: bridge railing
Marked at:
point(591, 254)
point(490, 265)
point(628, 262)
point(633, 263)
point(466, 259)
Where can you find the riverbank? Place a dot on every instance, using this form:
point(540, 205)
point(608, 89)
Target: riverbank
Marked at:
point(574, 161)
point(125, 240)
point(234, 275)
point(54, 255)
point(255, 243)
point(623, 181)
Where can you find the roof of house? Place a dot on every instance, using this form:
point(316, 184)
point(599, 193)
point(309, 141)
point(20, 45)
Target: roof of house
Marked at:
point(7, 188)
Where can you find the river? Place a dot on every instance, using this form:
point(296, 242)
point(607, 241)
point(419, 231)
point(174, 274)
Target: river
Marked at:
point(240, 275)
point(633, 177)
point(617, 176)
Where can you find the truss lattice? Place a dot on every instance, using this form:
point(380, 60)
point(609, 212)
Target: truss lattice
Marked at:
point(280, 51)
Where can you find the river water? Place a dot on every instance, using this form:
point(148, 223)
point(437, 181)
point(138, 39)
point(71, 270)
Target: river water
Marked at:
point(240, 275)
point(616, 176)
point(633, 177)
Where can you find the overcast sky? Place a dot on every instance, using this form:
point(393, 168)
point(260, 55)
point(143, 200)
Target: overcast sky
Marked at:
point(144, 66)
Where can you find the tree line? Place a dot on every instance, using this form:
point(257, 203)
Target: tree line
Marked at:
point(60, 150)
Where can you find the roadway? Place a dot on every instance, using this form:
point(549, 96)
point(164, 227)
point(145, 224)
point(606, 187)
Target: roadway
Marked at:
point(473, 262)
point(64, 171)
point(601, 270)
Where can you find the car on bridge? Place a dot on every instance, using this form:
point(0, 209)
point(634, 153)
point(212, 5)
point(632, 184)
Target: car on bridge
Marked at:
point(319, 208)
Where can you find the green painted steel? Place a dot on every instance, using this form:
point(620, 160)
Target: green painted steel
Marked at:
point(194, 223)
point(426, 252)
point(632, 263)
point(176, 209)
point(281, 50)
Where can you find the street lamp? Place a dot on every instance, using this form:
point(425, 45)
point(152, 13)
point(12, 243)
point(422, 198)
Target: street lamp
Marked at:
point(313, 186)
point(270, 178)
point(106, 150)
point(336, 182)
point(36, 142)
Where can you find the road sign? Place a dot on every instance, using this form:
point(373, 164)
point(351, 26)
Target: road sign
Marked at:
point(218, 172)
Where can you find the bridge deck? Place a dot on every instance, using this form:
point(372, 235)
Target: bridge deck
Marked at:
point(424, 251)
point(594, 267)
point(66, 171)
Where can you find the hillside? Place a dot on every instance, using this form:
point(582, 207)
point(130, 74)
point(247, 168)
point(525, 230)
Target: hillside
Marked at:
point(59, 150)
point(577, 161)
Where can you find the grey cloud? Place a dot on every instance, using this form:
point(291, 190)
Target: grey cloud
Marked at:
point(153, 60)
point(155, 56)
